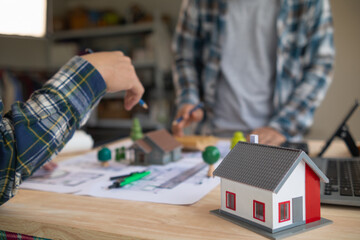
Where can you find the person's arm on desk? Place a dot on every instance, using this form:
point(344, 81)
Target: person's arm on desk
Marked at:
point(33, 131)
point(310, 74)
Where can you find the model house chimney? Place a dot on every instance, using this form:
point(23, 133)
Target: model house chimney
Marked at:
point(254, 138)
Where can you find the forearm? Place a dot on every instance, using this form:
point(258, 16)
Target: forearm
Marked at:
point(186, 87)
point(32, 132)
point(296, 116)
point(187, 54)
point(317, 62)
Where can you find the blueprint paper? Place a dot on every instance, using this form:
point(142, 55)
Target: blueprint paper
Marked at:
point(182, 182)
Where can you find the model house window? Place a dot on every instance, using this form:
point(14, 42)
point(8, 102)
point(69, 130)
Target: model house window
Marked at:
point(230, 200)
point(284, 211)
point(259, 211)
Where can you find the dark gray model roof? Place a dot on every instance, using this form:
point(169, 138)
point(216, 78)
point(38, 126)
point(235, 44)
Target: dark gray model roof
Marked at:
point(263, 166)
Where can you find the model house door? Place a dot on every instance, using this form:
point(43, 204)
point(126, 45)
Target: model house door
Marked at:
point(297, 209)
point(141, 158)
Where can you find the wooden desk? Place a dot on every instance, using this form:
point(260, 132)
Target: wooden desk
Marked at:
point(65, 216)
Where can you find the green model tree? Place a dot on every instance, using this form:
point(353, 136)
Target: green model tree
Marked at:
point(238, 136)
point(120, 154)
point(104, 156)
point(211, 155)
point(136, 131)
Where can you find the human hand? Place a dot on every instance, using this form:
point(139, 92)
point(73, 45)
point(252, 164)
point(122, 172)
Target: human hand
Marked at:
point(50, 166)
point(184, 112)
point(119, 74)
point(268, 136)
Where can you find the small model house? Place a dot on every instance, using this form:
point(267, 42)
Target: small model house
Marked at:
point(157, 147)
point(270, 188)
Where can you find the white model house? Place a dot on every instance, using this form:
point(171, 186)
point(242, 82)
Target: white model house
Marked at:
point(272, 188)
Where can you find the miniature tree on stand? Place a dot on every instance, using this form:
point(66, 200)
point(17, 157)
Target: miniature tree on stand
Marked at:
point(238, 136)
point(104, 156)
point(120, 154)
point(136, 131)
point(211, 155)
point(117, 155)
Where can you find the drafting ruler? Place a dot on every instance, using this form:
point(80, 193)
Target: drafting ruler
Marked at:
point(173, 182)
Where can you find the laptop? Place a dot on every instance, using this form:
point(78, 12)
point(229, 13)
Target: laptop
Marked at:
point(343, 173)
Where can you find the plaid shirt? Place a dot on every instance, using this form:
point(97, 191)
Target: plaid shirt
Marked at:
point(304, 64)
point(32, 132)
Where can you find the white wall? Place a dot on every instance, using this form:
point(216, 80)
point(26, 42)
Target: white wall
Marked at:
point(293, 187)
point(245, 195)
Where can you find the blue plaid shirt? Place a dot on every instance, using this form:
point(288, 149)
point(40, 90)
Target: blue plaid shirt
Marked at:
point(32, 132)
point(304, 64)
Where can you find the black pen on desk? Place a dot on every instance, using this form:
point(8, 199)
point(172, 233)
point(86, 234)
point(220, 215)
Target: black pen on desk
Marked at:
point(179, 119)
point(142, 103)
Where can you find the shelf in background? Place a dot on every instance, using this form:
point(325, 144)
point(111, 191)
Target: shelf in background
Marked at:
point(144, 64)
point(126, 123)
point(103, 31)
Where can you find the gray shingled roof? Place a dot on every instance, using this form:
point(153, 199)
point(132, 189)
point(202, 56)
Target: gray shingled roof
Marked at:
point(263, 166)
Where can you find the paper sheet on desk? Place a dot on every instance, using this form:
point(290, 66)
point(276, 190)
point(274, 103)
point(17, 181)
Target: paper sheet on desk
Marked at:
point(165, 184)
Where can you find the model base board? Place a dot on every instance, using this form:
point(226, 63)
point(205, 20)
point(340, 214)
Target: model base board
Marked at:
point(197, 143)
point(277, 235)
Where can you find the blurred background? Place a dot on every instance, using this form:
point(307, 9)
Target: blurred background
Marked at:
point(37, 41)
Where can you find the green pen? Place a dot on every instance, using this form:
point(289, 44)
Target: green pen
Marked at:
point(132, 178)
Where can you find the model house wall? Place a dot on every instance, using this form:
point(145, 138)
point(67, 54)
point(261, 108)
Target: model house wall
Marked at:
point(157, 155)
point(157, 147)
point(294, 187)
point(245, 195)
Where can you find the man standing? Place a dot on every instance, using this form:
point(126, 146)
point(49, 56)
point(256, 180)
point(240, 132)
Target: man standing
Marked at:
point(261, 67)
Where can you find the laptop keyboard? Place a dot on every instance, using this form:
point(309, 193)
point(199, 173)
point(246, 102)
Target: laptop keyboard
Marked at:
point(344, 178)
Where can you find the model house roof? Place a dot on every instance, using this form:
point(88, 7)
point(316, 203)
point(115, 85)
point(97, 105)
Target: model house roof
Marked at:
point(263, 166)
point(161, 138)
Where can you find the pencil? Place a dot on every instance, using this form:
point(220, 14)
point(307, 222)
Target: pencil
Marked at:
point(141, 102)
point(179, 119)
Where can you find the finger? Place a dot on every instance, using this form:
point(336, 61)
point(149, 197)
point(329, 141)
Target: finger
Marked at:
point(182, 116)
point(182, 124)
point(119, 53)
point(279, 140)
point(130, 100)
point(272, 138)
point(177, 131)
point(265, 138)
point(50, 166)
point(272, 142)
point(133, 96)
point(197, 115)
